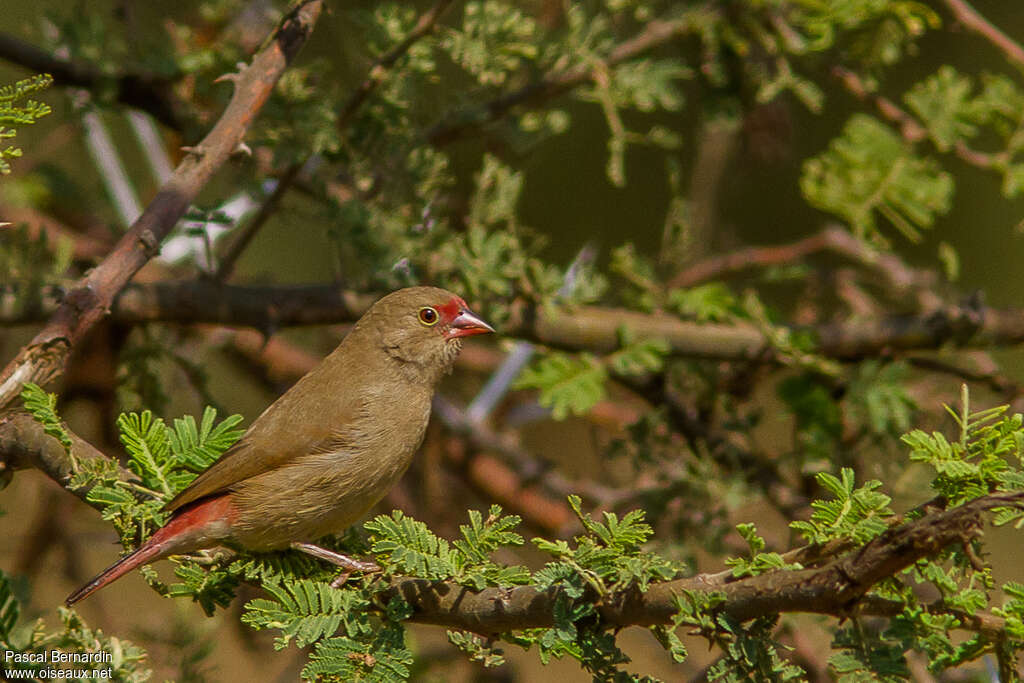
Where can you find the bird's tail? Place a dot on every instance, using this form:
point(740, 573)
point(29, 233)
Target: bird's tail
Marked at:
point(189, 528)
point(147, 553)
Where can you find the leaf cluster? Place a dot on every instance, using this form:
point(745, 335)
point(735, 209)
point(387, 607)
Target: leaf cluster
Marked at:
point(73, 635)
point(16, 112)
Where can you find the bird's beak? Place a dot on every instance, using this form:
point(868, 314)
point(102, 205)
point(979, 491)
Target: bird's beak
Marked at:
point(466, 324)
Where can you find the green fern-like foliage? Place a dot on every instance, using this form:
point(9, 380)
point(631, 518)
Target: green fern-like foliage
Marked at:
point(712, 302)
point(43, 407)
point(381, 659)
point(567, 384)
point(411, 546)
point(165, 460)
point(854, 514)
point(357, 635)
point(759, 561)
point(869, 170)
point(32, 642)
point(308, 611)
point(986, 457)
point(15, 112)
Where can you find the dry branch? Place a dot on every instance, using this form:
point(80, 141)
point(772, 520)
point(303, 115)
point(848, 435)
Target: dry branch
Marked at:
point(23, 444)
point(89, 300)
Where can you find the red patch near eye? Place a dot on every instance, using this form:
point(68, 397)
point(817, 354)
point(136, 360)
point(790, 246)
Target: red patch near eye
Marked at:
point(450, 310)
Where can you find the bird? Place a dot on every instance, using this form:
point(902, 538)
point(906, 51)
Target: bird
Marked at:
point(325, 452)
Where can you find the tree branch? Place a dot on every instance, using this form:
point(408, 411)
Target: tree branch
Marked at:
point(910, 128)
point(383, 64)
point(148, 92)
point(836, 589)
point(23, 444)
point(591, 328)
point(89, 300)
point(533, 95)
point(898, 277)
point(969, 17)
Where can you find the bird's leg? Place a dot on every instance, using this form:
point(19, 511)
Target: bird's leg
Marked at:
point(344, 561)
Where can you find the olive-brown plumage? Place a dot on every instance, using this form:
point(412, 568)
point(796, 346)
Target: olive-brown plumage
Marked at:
point(326, 451)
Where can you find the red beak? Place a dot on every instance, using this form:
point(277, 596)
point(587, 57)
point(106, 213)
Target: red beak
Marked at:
point(466, 324)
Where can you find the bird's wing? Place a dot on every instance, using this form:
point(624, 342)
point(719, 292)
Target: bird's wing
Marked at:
point(272, 441)
point(234, 465)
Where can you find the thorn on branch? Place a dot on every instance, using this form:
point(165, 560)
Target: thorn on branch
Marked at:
point(150, 243)
point(232, 76)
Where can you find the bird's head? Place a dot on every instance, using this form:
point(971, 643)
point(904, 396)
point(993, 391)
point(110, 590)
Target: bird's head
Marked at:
point(423, 327)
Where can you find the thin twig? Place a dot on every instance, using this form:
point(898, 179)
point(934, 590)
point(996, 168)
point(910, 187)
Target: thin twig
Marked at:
point(969, 17)
point(910, 128)
point(383, 64)
point(898, 277)
point(460, 124)
point(266, 210)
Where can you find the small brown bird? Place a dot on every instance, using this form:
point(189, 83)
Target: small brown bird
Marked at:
point(326, 451)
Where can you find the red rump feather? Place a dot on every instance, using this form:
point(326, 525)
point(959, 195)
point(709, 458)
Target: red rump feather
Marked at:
point(177, 534)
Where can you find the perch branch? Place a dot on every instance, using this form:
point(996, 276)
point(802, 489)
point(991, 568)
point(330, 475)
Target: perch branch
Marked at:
point(835, 589)
point(838, 588)
point(23, 444)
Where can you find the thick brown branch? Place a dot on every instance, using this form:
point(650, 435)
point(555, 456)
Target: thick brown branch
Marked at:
point(148, 92)
point(23, 444)
point(591, 328)
point(90, 299)
point(836, 589)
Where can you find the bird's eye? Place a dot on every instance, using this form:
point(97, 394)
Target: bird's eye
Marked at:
point(428, 316)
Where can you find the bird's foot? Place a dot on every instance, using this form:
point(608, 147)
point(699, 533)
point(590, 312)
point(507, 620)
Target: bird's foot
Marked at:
point(349, 564)
point(341, 579)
